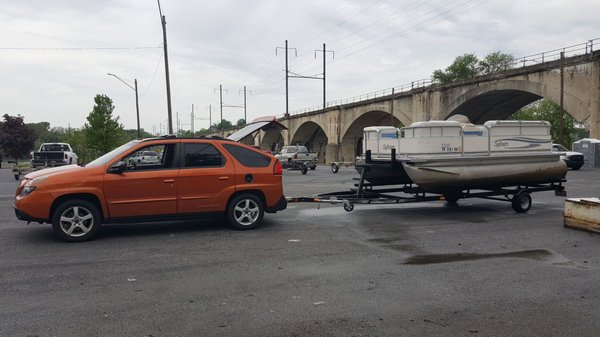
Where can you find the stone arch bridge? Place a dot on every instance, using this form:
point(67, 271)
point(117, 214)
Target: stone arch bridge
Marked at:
point(335, 132)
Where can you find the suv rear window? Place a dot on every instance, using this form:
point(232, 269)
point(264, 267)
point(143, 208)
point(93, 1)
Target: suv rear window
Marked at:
point(247, 157)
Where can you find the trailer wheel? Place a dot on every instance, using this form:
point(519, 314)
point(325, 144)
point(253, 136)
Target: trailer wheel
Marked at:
point(17, 176)
point(334, 168)
point(348, 206)
point(303, 169)
point(521, 202)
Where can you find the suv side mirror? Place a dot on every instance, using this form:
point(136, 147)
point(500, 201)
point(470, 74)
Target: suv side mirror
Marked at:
point(118, 167)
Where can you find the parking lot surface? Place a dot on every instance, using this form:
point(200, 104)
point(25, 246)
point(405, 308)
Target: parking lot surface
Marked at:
point(420, 269)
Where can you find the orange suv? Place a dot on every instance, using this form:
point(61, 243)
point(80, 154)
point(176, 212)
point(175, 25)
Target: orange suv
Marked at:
point(192, 178)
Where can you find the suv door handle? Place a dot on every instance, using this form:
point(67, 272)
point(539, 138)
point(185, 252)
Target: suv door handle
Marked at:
point(224, 178)
point(168, 181)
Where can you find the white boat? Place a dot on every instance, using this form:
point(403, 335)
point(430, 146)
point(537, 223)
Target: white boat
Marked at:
point(450, 156)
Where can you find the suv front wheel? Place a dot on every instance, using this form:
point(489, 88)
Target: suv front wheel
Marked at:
point(245, 211)
point(76, 220)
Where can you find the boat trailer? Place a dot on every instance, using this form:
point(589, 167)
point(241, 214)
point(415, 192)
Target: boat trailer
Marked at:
point(363, 193)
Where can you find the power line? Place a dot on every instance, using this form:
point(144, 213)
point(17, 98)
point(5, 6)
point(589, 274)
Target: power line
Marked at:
point(76, 48)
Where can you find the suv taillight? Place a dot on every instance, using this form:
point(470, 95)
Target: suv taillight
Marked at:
point(277, 169)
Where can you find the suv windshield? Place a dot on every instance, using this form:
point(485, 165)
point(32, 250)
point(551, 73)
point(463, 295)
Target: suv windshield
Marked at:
point(110, 155)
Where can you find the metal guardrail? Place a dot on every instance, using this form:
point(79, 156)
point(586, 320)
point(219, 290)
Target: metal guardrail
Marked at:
point(534, 59)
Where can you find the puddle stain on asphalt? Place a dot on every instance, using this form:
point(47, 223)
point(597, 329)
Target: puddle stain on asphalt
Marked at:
point(533, 254)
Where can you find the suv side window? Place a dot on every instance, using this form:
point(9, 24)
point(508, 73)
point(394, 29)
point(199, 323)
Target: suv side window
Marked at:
point(202, 155)
point(151, 158)
point(247, 157)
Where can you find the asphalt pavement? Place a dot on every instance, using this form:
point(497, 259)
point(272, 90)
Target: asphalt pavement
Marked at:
point(420, 269)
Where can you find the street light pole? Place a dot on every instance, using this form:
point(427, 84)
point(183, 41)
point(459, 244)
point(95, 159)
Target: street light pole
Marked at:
point(137, 106)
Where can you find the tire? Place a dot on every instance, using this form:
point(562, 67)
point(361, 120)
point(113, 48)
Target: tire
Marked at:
point(76, 220)
point(245, 211)
point(313, 167)
point(576, 167)
point(452, 197)
point(521, 202)
point(303, 169)
point(334, 168)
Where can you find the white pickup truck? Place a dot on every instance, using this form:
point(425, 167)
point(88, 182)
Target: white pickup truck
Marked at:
point(295, 155)
point(53, 154)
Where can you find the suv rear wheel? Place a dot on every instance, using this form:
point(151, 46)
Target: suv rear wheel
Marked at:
point(76, 220)
point(245, 211)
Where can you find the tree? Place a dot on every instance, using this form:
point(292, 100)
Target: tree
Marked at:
point(103, 132)
point(16, 139)
point(495, 62)
point(241, 122)
point(469, 66)
point(223, 125)
point(463, 68)
point(547, 110)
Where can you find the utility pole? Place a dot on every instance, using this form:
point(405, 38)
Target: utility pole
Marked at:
point(561, 125)
point(192, 121)
point(209, 116)
point(287, 72)
point(324, 51)
point(243, 106)
point(245, 119)
point(221, 101)
point(392, 109)
point(163, 21)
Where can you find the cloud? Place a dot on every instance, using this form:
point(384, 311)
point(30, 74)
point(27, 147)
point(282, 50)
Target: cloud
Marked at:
point(378, 44)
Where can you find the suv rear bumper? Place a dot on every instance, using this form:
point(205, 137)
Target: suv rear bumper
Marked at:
point(279, 206)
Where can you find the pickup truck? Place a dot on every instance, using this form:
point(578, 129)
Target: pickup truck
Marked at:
point(574, 160)
point(297, 154)
point(53, 154)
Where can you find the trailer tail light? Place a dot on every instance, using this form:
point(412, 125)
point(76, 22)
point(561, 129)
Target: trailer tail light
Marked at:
point(295, 156)
point(277, 169)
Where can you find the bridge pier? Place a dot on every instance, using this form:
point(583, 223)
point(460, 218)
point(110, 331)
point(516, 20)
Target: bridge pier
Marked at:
point(595, 102)
point(332, 153)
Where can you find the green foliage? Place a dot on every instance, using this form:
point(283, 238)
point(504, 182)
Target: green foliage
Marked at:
point(240, 123)
point(223, 125)
point(495, 62)
point(463, 67)
point(102, 132)
point(469, 66)
point(547, 110)
point(131, 134)
point(16, 139)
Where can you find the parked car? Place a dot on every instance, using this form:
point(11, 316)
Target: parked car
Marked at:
point(196, 177)
point(573, 159)
point(144, 158)
point(297, 154)
point(53, 154)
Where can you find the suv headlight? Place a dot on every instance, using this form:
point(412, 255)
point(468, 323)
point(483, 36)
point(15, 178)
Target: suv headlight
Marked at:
point(27, 190)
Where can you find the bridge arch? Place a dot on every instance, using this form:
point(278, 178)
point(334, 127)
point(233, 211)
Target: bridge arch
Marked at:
point(272, 140)
point(351, 139)
point(499, 100)
point(313, 136)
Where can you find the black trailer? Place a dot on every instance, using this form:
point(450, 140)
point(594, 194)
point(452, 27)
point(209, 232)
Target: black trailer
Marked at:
point(364, 193)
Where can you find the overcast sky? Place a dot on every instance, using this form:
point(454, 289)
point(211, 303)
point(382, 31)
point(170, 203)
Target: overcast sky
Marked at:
point(55, 55)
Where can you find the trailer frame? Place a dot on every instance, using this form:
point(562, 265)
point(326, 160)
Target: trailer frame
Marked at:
point(363, 193)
